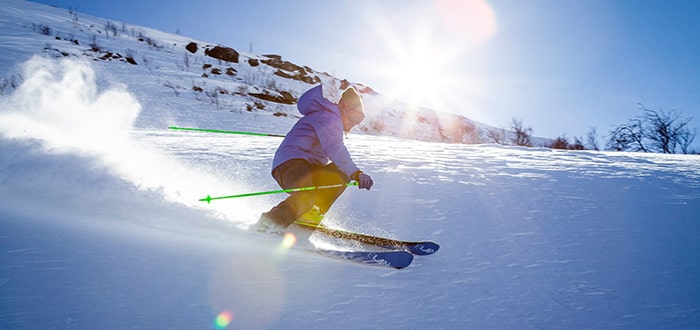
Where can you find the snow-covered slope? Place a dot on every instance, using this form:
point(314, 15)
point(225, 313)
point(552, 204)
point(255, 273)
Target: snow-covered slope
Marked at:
point(100, 226)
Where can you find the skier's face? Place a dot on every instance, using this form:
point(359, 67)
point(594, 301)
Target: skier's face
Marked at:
point(351, 116)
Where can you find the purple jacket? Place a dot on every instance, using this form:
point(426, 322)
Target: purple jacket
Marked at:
point(318, 136)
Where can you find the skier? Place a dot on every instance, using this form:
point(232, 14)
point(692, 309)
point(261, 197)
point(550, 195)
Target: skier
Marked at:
point(313, 154)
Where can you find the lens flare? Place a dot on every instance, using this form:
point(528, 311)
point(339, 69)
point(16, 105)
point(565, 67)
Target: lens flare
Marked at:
point(223, 319)
point(289, 240)
point(471, 19)
point(248, 290)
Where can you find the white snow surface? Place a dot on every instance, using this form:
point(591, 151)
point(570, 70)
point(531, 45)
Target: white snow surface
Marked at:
point(101, 227)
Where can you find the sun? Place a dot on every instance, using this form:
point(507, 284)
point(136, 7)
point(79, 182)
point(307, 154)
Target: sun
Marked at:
point(424, 52)
point(420, 75)
point(419, 68)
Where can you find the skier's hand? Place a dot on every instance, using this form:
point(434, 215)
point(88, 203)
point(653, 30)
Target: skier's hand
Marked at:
point(364, 181)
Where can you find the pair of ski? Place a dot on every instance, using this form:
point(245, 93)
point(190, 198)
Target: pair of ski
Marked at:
point(397, 253)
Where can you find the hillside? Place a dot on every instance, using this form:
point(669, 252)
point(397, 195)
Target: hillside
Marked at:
point(201, 75)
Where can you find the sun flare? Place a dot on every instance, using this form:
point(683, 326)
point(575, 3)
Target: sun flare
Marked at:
point(473, 20)
point(419, 68)
point(420, 79)
point(426, 55)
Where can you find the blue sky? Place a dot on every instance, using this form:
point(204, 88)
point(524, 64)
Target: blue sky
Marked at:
point(559, 66)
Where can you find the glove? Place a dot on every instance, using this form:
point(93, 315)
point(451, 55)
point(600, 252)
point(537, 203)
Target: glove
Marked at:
point(364, 181)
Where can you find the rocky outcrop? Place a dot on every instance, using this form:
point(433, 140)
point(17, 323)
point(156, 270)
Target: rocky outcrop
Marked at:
point(222, 53)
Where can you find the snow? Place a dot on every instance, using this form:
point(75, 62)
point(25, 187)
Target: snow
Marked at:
point(100, 226)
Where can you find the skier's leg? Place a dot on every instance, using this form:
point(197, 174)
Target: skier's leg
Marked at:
point(295, 173)
point(325, 176)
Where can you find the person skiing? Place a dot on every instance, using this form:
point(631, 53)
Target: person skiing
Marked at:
point(313, 154)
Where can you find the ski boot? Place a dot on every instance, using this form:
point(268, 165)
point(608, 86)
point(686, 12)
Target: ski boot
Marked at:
point(313, 217)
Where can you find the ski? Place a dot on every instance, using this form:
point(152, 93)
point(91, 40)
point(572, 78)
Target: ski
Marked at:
point(395, 259)
point(417, 248)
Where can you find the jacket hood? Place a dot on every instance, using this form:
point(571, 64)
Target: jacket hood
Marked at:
point(313, 101)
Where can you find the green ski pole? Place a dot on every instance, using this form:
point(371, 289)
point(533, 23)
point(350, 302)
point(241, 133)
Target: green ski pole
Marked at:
point(208, 199)
point(221, 131)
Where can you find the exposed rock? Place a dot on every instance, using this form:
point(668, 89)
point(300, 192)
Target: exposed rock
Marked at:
point(275, 61)
point(223, 53)
point(301, 76)
point(282, 97)
point(290, 70)
point(192, 47)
